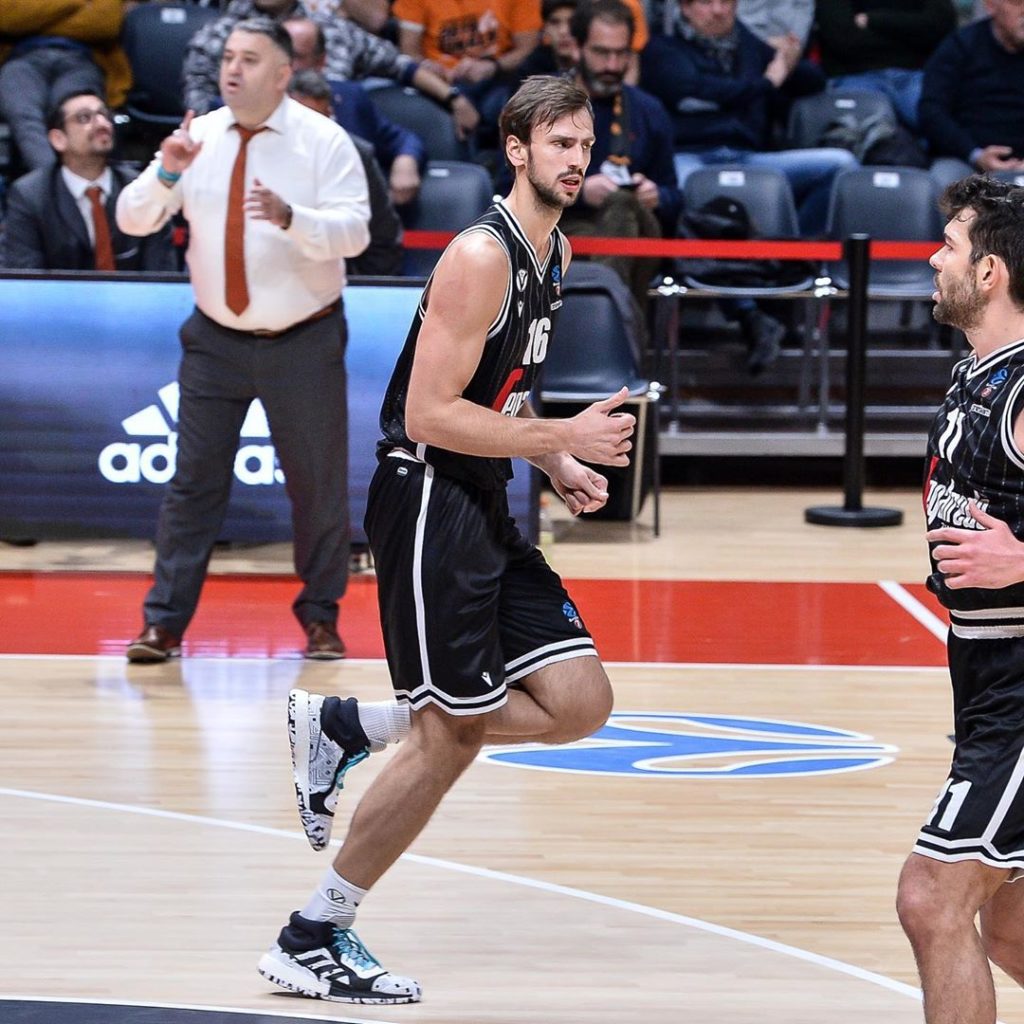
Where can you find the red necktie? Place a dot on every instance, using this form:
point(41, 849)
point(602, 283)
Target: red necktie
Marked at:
point(101, 230)
point(236, 291)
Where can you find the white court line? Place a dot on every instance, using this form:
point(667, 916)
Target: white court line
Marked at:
point(187, 1006)
point(914, 607)
point(731, 666)
point(502, 876)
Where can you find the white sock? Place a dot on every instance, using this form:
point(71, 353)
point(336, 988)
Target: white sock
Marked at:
point(335, 900)
point(384, 722)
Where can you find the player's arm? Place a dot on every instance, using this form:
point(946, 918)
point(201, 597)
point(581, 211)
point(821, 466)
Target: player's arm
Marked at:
point(466, 294)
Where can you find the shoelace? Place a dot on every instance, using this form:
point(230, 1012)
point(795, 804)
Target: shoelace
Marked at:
point(346, 944)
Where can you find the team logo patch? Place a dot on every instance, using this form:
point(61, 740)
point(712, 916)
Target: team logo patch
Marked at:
point(672, 745)
point(521, 278)
point(569, 611)
point(997, 379)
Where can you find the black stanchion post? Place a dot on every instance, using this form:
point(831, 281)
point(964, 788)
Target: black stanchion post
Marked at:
point(853, 512)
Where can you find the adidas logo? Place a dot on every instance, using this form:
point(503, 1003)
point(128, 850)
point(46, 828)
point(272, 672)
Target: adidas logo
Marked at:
point(131, 462)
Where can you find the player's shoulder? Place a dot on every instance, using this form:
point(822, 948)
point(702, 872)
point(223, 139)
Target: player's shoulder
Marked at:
point(479, 246)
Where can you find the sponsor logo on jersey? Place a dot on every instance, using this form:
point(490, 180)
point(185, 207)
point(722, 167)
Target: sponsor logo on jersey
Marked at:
point(981, 410)
point(556, 279)
point(521, 278)
point(152, 458)
point(947, 506)
point(675, 745)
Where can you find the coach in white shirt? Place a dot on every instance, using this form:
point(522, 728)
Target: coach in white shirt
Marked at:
point(275, 197)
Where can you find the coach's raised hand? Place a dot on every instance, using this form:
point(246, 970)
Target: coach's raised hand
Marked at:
point(601, 435)
point(179, 149)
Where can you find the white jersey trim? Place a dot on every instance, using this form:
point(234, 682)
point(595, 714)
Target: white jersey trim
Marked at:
point(1010, 446)
point(417, 573)
point(517, 230)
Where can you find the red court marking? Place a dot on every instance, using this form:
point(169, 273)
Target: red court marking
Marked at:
point(632, 620)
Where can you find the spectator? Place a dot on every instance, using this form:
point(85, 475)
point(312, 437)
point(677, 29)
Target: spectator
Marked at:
point(882, 45)
point(399, 151)
point(352, 54)
point(476, 44)
point(267, 242)
point(972, 101)
point(719, 82)
point(556, 52)
point(61, 217)
point(383, 256)
point(370, 14)
point(50, 48)
point(630, 189)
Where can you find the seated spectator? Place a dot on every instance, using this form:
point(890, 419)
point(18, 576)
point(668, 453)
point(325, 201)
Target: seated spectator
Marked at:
point(882, 45)
point(399, 152)
point(629, 190)
point(48, 48)
point(972, 100)
point(557, 52)
point(352, 54)
point(476, 44)
point(719, 82)
point(370, 14)
point(383, 256)
point(61, 217)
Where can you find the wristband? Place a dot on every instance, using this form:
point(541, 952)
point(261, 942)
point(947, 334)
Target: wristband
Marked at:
point(453, 94)
point(168, 177)
point(288, 219)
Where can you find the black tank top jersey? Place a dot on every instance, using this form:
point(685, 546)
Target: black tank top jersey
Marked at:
point(515, 348)
point(972, 455)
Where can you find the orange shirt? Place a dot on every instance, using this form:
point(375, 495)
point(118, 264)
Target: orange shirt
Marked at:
point(640, 33)
point(453, 29)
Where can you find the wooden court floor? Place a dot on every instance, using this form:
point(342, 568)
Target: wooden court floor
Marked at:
point(725, 851)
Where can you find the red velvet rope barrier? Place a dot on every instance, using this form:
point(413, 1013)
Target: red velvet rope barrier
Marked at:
point(706, 248)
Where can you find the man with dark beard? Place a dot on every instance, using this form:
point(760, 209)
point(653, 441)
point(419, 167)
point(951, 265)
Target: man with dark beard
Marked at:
point(484, 644)
point(630, 190)
point(972, 844)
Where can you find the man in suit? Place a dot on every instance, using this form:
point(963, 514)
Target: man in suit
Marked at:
point(62, 217)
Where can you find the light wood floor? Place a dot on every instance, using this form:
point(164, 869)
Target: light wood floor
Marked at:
point(151, 849)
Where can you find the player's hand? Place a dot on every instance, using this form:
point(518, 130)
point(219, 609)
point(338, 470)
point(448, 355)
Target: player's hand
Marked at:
point(179, 149)
point(581, 488)
point(990, 558)
point(600, 434)
point(262, 204)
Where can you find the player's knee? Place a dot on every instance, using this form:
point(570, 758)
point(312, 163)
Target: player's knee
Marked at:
point(455, 739)
point(918, 906)
point(586, 716)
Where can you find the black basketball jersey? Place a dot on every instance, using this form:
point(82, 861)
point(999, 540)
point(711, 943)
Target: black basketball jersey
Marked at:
point(972, 455)
point(515, 348)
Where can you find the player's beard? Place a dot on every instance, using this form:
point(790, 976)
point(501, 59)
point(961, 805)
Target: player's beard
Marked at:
point(960, 303)
point(547, 195)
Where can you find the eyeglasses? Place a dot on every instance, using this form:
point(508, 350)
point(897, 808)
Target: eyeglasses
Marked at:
point(84, 117)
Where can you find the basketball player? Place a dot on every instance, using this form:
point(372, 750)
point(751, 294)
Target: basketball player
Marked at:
point(483, 642)
point(972, 845)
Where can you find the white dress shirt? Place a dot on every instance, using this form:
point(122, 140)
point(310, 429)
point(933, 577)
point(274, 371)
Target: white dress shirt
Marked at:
point(77, 185)
point(311, 163)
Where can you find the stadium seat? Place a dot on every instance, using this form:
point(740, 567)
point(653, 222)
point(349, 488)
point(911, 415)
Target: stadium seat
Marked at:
point(594, 351)
point(811, 115)
point(431, 122)
point(453, 194)
point(155, 37)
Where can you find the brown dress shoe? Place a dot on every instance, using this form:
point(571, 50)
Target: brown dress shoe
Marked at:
point(323, 642)
point(154, 644)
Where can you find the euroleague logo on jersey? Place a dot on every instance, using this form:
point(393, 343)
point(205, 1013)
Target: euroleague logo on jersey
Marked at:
point(997, 379)
point(676, 745)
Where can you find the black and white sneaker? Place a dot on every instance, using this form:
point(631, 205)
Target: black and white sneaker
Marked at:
point(319, 763)
point(322, 961)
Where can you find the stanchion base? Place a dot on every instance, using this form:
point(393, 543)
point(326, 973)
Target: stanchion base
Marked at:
point(829, 515)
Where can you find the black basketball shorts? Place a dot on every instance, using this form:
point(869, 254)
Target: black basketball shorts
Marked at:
point(468, 605)
point(979, 812)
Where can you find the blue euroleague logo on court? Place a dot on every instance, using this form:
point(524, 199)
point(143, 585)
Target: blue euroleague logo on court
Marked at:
point(693, 746)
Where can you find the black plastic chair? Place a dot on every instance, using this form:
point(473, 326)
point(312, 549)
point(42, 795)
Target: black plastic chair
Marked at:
point(594, 351)
point(155, 38)
point(811, 115)
point(452, 196)
point(431, 122)
point(890, 204)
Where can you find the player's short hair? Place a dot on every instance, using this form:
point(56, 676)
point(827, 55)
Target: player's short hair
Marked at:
point(541, 100)
point(612, 11)
point(998, 225)
point(276, 33)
